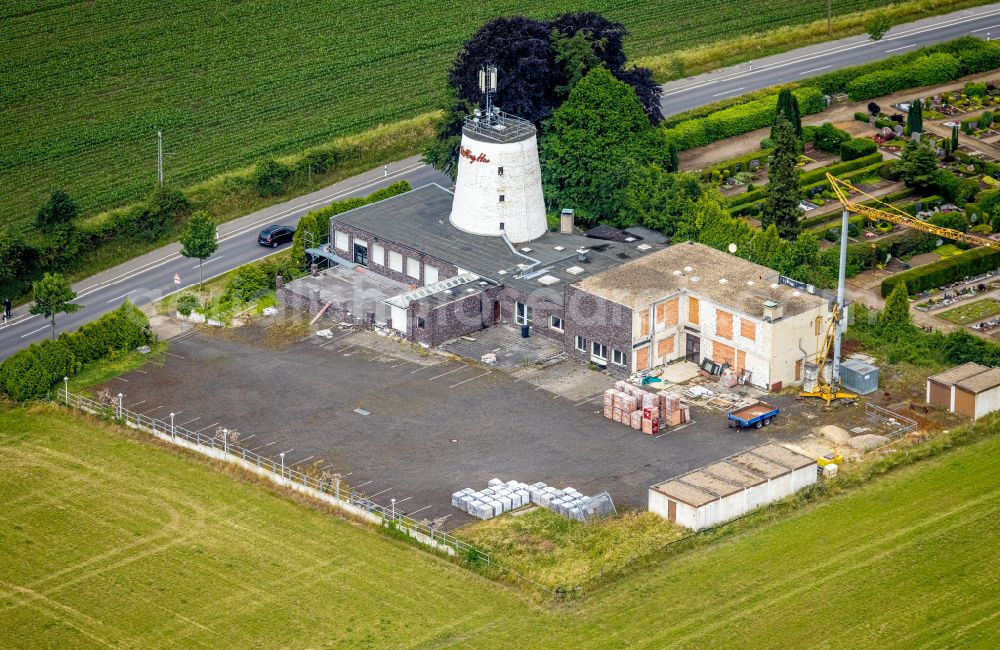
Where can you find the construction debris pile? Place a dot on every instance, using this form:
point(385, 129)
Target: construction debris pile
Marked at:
point(499, 497)
point(643, 410)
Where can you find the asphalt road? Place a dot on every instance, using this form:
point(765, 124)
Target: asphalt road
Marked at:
point(151, 276)
point(692, 92)
point(148, 278)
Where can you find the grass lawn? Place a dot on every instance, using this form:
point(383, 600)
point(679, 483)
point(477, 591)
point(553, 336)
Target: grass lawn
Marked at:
point(103, 370)
point(231, 82)
point(110, 541)
point(971, 312)
point(948, 250)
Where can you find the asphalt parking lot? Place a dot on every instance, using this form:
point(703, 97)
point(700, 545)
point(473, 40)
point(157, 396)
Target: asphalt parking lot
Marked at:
point(434, 425)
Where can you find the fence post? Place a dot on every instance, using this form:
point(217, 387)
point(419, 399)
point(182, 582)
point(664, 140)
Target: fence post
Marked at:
point(336, 487)
point(66, 389)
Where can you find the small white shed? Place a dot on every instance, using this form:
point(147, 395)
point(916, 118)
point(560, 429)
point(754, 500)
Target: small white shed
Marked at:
point(732, 487)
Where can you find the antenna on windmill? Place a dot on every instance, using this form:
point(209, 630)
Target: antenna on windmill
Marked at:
point(488, 86)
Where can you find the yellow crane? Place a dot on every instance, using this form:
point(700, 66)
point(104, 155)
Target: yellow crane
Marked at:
point(829, 391)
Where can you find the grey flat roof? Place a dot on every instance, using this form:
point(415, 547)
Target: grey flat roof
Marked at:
point(958, 373)
point(981, 381)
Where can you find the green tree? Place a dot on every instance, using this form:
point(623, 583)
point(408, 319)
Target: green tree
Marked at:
point(59, 209)
point(917, 166)
point(198, 240)
point(896, 316)
point(52, 295)
point(915, 116)
point(782, 207)
point(954, 138)
point(270, 176)
point(717, 228)
point(591, 145)
point(877, 26)
point(767, 247)
point(673, 160)
point(575, 56)
point(663, 201)
point(15, 258)
point(788, 106)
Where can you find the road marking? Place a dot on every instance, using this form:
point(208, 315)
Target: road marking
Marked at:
point(364, 484)
point(268, 444)
point(379, 357)
point(217, 257)
point(815, 70)
point(332, 340)
point(461, 367)
point(122, 379)
point(902, 47)
point(35, 331)
point(152, 409)
point(141, 372)
point(288, 451)
point(417, 510)
point(347, 348)
point(189, 421)
point(984, 29)
point(589, 400)
point(378, 493)
point(304, 460)
point(121, 296)
point(138, 403)
point(401, 364)
point(175, 355)
point(539, 388)
point(488, 372)
point(516, 380)
point(253, 435)
point(208, 427)
point(399, 501)
point(729, 91)
point(426, 367)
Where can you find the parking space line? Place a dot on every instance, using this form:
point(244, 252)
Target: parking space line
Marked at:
point(122, 379)
point(364, 484)
point(378, 493)
point(686, 424)
point(461, 367)
point(589, 400)
point(410, 514)
point(336, 339)
point(382, 356)
point(426, 367)
point(253, 435)
point(286, 452)
point(304, 460)
point(208, 427)
point(267, 444)
point(399, 501)
point(175, 355)
point(152, 409)
point(539, 388)
point(188, 422)
point(488, 372)
point(401, 364)
point(347, 348)
point(138, 403)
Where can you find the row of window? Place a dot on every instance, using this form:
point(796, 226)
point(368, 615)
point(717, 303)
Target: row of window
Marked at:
point(600, 351)
point(524, 315)
point(377, 258)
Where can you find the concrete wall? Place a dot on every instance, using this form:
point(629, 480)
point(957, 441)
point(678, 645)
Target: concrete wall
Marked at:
point(987, 402)
point(597, 319)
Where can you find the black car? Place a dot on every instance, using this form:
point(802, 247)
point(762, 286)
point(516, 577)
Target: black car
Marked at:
point(274, 235)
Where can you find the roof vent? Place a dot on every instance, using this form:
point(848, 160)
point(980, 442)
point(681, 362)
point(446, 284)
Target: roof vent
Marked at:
point(678, 272)
point(774, 285)
point(723, 281)
point(749, 283)
point(644, 247)
point(796, 293)
point(581, 254)
point(523, 267)
point(548, 280)
point(772, 311)
point(694, 278)
point(574, 270)
point(526, 249)
point(559, 248)
point(688, 269)
point(629, 240)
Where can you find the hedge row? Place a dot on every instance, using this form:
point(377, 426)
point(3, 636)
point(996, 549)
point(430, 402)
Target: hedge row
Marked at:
point(33, 371)
point(809, 178)
point(973, 55)
point(823, 218)
point(738, 119)
point(925, 71)
point(743, 161)
point(945, 271)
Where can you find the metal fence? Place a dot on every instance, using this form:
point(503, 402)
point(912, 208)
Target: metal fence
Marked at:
point(900, 423)
point(212, 445)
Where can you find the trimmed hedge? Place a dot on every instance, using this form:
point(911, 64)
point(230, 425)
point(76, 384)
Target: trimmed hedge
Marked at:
point(924, 71)
point(32, 372)
point(947, 270)
point(744, 161)
point(738, 119)
point(857, 148)
point(810, 178)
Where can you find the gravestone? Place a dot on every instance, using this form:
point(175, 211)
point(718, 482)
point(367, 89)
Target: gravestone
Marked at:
point(754, 165)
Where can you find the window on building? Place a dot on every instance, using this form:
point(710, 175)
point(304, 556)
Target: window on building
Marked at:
point(618, 357)
point(748, 329)
point(644, 323)
point(523, 314)
point(421, 323)
point(396, 261)
point(581, 343)
point(556, 323)
point(413, 267)
point(723, 324)
point(378, 255)
point(499, 171)
point(598, 351)
point(340, 240)
point(501, 198)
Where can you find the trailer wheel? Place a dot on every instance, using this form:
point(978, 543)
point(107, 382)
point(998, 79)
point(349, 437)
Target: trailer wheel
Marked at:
point(758, 424)
point(767, 421)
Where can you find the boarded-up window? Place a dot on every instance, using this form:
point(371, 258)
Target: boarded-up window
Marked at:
point(693, 314)
point(748, 329)
point(665, 347)
point(395, 261)
point(430, 274)
point(413, 267)
point(378, 255)
point(642, 359)
point(819, 323)
point(723, 353)
point(666, 313)
point(741, 359)
point(644, 323)
point(340, 240)
point(723, 324)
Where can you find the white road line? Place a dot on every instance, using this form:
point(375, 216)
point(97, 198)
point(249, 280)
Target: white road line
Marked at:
point(189, 421)
point(539, 388)
point(208, 427)
point(488, 372)
point(302, 461)
point(138, 403)
point(141, 372)
point(902, 47)
point(175, 355)
point(380, 357)
point(287, 451)
point(516, 380)
point(462, 367)
point(413, 512)
point(984, 29)
point(35, 331)
point(589, 400)
point(733, 90)
point(815, 70)
point(378, 493)
point(334, 340)
point(253, 435)
point(364, 484)
point(399, 501)
point(347, 348)
point(155, 408)
point(217, 257)
point(267, 444)
point(401, 364)
point(426, 367)
point(122, 379)
point(124, 295)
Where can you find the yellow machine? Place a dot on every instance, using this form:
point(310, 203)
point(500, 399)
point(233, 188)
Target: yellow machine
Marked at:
point(829, 391)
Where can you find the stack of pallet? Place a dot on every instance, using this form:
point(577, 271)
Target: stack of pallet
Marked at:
point(493, 500)
point(674, 413)
point(633, 407)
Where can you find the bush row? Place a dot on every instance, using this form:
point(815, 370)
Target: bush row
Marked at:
point(32, 372)
point(823, 218)
point(924, 71)
point(738, 119)
point(809, 179)
point(743, 162)
point(945, 271)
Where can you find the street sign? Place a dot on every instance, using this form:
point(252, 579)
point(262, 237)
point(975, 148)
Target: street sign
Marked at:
point(177, 278)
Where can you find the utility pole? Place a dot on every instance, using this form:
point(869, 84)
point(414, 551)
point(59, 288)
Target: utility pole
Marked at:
point(841, 316)
point(159, 158)
point(829, 17)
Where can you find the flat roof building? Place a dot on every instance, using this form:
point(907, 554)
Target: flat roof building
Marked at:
point(969, 389)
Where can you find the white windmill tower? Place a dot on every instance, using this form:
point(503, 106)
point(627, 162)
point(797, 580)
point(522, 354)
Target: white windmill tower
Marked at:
point(498, 190)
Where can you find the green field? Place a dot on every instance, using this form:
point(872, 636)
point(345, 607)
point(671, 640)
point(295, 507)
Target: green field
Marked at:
point(87, 84)
point(972, 312)
point(110, 541)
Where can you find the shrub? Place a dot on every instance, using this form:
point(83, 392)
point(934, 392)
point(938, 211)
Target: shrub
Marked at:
point(985, 120)
point(975, 89)
point(269, 177)
point(890, 170)
point(876, 84)
point(248, 282)
point(949, 269)
point(933, 69)
point(857, 148)
point(861, 117)
point(187, 303)
point(884, 122)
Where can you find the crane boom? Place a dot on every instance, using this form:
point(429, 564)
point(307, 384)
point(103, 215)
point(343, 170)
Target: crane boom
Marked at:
point(895, 215)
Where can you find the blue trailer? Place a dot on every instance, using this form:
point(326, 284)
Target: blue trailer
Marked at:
point(754, 416)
